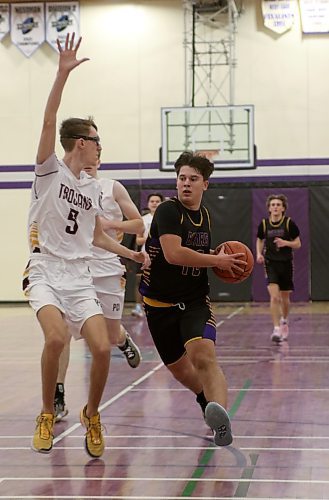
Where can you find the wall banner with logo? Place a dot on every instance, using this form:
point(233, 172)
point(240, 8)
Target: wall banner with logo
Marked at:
point(27, 26)
point(4, 20)
point(314, 16)
point(279, 15)
point(61, 18)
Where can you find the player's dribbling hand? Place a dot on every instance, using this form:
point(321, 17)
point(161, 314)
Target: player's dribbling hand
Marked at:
point(229, 262)
point(217, 249)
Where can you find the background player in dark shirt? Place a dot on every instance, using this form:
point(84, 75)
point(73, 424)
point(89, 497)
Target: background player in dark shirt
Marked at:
point(278, 235)
point(175, 292)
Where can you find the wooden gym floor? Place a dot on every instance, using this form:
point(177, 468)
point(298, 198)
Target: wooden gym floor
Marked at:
point(158, 446)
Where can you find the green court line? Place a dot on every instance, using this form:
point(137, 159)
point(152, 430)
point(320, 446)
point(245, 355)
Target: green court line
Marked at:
point(248, 472)
point(206, 456)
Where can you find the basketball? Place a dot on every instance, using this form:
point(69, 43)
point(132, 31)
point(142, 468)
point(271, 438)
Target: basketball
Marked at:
point(236, 247)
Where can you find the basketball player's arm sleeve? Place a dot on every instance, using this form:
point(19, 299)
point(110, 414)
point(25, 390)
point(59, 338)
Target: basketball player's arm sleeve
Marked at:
point(260, 232)
point(50, 166)
point(293, 230)
point(168, 219)
point(44, 174)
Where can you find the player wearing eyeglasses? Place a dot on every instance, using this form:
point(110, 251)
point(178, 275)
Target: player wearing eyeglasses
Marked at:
point(63, 225)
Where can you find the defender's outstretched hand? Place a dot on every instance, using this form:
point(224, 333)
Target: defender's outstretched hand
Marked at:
point(68, 54)
point(142, 258)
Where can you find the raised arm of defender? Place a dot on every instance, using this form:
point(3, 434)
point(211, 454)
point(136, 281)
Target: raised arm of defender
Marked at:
point(67, 62)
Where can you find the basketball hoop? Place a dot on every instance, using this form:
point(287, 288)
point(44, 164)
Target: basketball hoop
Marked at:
point(210, 154)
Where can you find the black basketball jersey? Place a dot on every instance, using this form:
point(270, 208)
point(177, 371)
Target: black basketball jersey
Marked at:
point(285, 229)
point(171, 283)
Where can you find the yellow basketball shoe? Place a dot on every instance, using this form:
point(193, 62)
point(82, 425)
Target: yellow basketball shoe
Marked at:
point(42, 440)
point(94, 442)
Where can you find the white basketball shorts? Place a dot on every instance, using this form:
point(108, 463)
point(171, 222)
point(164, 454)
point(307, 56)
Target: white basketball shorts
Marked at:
point(64, 284)
point(110, 283)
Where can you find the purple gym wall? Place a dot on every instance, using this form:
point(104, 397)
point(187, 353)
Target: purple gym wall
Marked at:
point(298, 210)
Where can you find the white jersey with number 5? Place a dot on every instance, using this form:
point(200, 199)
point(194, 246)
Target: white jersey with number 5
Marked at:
point(62, 211)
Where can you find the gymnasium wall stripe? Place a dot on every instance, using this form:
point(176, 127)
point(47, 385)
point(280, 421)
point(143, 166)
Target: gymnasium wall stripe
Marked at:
point(285, 170)
point(155, 165)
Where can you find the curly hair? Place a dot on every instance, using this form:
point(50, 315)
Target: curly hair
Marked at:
point(197, 161)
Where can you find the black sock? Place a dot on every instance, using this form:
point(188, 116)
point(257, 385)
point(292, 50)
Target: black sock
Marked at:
point(201, 399)
point(124, 346)
point(59, 389)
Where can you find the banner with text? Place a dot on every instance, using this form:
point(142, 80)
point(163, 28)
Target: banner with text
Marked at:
point(61, 18)
point(314, 16)
point(27, 27)
point(279, 15)
point(4, 19)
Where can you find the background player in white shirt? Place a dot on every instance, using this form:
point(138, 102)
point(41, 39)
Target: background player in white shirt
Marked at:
point(63, 225)
point(108, 276)
point(153, 201)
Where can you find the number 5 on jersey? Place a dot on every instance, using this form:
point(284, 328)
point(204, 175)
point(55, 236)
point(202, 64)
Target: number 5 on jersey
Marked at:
point(73, 215)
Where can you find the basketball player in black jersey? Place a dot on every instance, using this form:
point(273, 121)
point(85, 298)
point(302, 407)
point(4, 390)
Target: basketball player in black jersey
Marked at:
point(279, 235)
point(175, 292)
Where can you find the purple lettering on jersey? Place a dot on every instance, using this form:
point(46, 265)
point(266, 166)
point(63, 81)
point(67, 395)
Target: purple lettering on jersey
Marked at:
point(275, 233)
point(195, 239)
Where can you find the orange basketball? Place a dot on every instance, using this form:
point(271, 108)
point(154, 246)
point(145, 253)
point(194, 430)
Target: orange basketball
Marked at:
point(246, 269)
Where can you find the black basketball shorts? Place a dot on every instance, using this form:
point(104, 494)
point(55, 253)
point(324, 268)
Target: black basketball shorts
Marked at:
point(281, 273)
point(172, 327)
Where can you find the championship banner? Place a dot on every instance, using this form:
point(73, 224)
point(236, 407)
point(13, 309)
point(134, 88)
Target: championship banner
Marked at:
point(61, 18)
point(27, 28)
point(314, 16)
point(4, 19)
point(279, 15)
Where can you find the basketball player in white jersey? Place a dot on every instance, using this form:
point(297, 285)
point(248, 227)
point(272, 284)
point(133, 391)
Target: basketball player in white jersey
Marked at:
point(109, 277)
point(153, 201)
point(63, 225)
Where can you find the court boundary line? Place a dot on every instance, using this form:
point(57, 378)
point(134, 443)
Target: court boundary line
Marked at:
point(181, 436)
point(110, 401)
point(171, 479)
point(206, 448)
point(97, 497)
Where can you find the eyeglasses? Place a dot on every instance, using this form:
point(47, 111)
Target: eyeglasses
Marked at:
point(96, 138)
